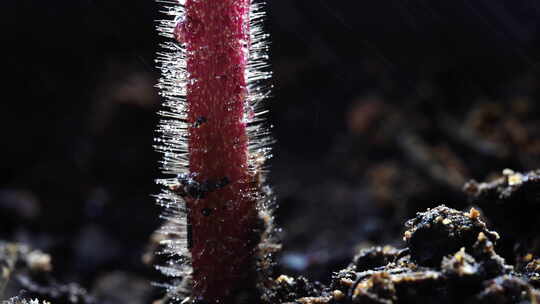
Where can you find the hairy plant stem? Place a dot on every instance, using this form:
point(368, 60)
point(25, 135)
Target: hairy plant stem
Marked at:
point(223, 216)
point(214, 144)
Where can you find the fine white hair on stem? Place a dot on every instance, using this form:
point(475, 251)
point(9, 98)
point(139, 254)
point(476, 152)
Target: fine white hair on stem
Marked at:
point(174, 246)
point(172, 129)
point(171, 142)
point(259, 87)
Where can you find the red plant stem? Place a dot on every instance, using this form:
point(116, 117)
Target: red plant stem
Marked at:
point(223, 213)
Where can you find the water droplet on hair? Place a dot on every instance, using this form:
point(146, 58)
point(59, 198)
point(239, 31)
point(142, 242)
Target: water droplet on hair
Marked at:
point(180, 32)
point(188, 29)
point(206, 211)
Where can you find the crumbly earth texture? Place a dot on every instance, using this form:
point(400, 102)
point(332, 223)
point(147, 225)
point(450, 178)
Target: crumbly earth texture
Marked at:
point(449, 256)
point(435, 272)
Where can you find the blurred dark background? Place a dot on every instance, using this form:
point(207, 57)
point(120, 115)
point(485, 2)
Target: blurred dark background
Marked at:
point(380, 109)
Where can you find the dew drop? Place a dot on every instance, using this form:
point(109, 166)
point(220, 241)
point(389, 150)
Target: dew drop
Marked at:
point(188, 29)
point(180, 32)
point(206, 211)
point(251, 113)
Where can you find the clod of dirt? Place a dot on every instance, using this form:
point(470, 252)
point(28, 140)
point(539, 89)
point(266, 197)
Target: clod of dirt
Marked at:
point(289, 289)
point(491, 264)
point(375, 257)
point(442, 231)
point(507, 290)
point(532, 272)
point(466, 273)
point(511, 204)
point(460, 265)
